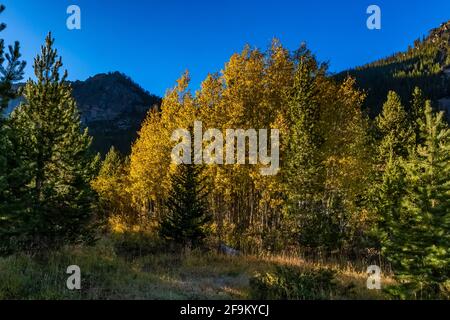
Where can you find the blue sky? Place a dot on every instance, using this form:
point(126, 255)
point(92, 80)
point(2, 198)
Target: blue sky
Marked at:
point(155, 41)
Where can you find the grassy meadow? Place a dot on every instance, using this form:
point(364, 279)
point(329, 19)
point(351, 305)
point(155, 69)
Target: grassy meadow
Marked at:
point(125, 266)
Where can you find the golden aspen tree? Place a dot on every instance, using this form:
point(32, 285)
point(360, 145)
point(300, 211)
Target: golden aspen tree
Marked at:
point(150, 164)
point(255, 91)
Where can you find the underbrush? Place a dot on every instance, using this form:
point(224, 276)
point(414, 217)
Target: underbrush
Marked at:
point(104, 276)
point(290, 283)
point(137, 266)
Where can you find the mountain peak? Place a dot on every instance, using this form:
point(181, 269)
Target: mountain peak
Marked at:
point(116, 76)
point(113, 107)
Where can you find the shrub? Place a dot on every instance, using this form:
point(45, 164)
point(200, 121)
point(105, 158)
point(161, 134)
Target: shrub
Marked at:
point(419, 291)
point(290, 283)
point(137, 244)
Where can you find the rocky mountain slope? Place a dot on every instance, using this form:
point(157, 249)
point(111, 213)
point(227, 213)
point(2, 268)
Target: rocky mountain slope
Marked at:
point(113, 107)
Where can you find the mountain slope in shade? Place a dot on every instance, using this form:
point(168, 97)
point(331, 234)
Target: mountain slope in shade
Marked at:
point(426, 64)
point(113, 107)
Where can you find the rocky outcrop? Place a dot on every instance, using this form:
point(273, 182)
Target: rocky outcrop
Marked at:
point(113, 107)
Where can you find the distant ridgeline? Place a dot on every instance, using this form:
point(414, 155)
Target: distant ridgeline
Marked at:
point(426, 65)
point(113, 107)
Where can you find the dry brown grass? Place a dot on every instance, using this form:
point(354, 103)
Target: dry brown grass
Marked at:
point(198, 275)
point(158, 275)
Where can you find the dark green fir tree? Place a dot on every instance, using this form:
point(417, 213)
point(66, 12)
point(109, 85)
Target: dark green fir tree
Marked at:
point(395, 129)
point(57, 157)
point(419, 239)
point(11, 175)
point(187, 218)
point(303, 163)
point(417, 112)
point(11, 69)
point(388, 198)
point(396, 140)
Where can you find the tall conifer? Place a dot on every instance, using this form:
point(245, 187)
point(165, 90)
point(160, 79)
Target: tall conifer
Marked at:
point(11, 176)
point(56, 152)
point(420, 237)
point(187, 217)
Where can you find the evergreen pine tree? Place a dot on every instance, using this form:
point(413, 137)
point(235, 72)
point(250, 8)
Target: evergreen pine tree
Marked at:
point(304, 139)
point(10, 72)
point(389, 195)
point(419, 240)
point(417, 112)
point(56, 152)
point(112, 165)
point(397, 139)
point(304, 167)
point(11, 175)
point(397, 134)
point(417, 105)
point(187, 218)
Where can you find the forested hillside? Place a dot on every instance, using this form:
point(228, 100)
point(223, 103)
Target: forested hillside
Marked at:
point(425, 64)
